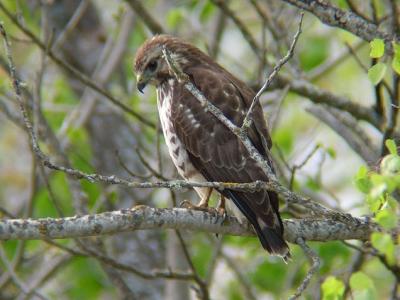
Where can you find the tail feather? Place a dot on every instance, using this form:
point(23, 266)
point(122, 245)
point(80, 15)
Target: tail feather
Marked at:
point(272, 241)
point(271, 238)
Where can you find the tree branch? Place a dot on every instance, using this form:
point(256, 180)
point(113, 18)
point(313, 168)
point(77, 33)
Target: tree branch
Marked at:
point(144, 217)
point(147, 19)
point(320, 96)
point(240, 25)
point(347, 20)
point(315, 264)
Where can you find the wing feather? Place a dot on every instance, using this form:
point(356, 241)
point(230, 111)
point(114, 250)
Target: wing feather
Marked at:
point(220, 156)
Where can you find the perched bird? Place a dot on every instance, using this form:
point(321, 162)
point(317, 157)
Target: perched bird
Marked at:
point(202, 147)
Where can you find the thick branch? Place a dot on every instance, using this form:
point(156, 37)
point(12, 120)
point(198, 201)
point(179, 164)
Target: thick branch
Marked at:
point(346, 20)
point(143, 217)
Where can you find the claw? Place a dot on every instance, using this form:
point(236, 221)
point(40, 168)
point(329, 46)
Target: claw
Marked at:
point(202, 207)
point(221, 213)
point(221, 210)
point(186, 204)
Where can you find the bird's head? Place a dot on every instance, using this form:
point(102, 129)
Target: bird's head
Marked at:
point(150, 65)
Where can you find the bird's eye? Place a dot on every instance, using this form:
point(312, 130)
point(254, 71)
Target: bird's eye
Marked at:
point(152, 66)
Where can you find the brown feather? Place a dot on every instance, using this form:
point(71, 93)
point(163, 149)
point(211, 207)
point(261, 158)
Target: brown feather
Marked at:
point(211, 147)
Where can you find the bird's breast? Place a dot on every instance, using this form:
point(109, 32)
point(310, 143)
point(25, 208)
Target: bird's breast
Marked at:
point(176, 148)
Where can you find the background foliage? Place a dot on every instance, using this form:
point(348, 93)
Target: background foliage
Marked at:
point(314, 155)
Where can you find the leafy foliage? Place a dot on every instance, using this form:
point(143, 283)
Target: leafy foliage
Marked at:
point(332, 288)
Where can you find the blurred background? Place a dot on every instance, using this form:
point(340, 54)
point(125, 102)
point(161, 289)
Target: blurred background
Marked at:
point(62, 47)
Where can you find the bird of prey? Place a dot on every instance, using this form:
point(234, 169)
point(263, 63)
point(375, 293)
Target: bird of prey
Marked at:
point(201, 146)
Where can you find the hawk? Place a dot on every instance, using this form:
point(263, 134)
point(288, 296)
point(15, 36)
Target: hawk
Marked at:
point(202, 147)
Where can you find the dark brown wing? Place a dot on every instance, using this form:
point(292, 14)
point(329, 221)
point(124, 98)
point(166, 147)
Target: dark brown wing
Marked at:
point(220, 156)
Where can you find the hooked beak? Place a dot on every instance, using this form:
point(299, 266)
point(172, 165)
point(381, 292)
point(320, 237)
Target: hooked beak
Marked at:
point(141, 83)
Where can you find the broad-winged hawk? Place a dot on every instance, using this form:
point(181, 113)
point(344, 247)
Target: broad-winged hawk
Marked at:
point(203, 148)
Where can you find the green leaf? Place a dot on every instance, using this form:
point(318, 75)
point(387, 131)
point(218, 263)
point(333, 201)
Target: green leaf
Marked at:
point(269, 276)
point(233, 291)
point(83, 272)
point(313, 184)
point(378, 190)
point(360, 281)
point(332, 288)
point(386, 218)
point(390, 165)
point(376, 73)
point(362, 180)
point(362, 286)
point(384, 244)
point(391, 145)
point(365, 295)
point(174, 18)
point(207, 11)
point(313, 56)
point(331, 152)
point(374, 203)
point(284, 138)
point(377, 48)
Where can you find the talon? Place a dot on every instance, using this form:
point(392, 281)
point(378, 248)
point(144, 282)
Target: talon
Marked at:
point(224, 216)
point(202, 207)
point(186, 204)
point(221, 210)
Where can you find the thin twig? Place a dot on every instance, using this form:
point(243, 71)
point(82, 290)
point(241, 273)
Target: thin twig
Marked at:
point(242, 27)
point(213, 262)
point(147, 165)
point(154, 274)
point(129, 171)
point(204, 294)
point(315, 260)
point(218, 32)
point(365, 68)
point(334, 119)
point(247, 120)
point(109, 59)
point(240, 275)
point(72, 23)
point(324, 69)
point(18, 282)
point(301, 165)
point(142, 13)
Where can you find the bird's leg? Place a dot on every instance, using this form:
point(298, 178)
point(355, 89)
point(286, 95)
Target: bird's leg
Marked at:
point(203, 204)
point(221, 207)
point(204, 201)
point(221, 210)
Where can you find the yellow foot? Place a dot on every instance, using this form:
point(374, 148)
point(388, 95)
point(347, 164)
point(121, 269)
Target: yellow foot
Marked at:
point(202, 207)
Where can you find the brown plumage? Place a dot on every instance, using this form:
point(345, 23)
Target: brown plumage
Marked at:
point(201, 147)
